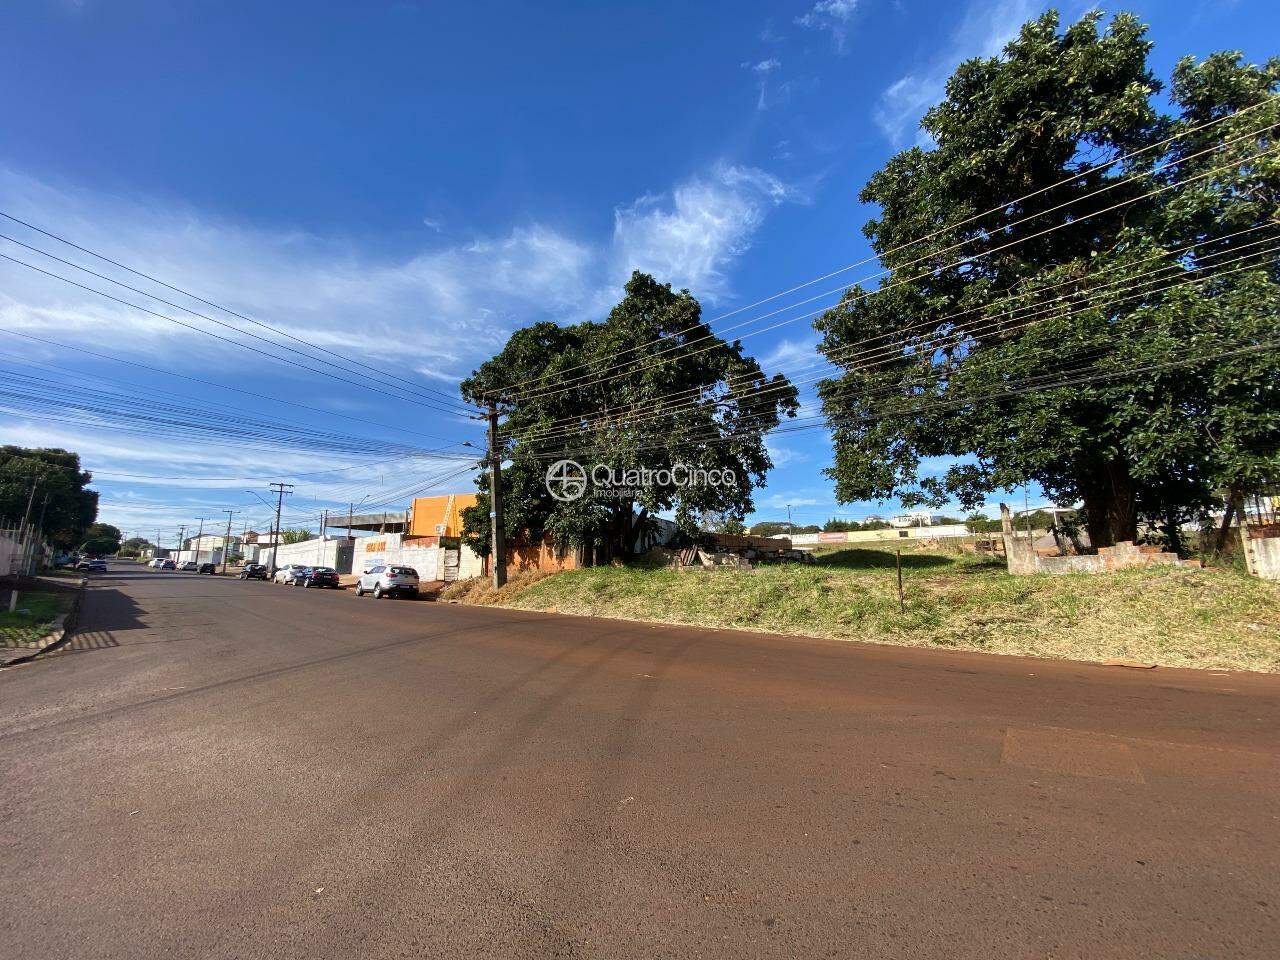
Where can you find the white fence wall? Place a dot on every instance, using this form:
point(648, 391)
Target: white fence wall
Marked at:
point(428, 561)
point(311, 553)
point(9, 551)
point(870, 536)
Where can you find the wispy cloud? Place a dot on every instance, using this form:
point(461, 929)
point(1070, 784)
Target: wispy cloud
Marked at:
point(789, 355)
point(983, 32)
point(441, 309)
point(833, 16)
point(691, 236)
point(762, 69)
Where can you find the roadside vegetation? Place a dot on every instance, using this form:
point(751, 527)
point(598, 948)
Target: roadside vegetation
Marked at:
point(1213, 618)
point(36, 612)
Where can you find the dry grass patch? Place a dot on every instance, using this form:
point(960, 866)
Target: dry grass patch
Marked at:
point(1170, 616)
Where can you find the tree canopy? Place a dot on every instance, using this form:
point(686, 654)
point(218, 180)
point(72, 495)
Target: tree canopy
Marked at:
point(71, 507)
point(1068, 338)
point(101, 539)
point(649, 387)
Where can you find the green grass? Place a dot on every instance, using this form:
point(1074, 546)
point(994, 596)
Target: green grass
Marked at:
point(1170, 616)
point(18, 628)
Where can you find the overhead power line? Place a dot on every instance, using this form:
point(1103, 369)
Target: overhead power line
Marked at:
point(710, 431)
point(199, 299)
point(899, 282)
point(896, 351)
point(1006, 205)
point(209, 333)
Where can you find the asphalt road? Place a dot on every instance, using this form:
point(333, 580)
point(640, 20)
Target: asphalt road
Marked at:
point(226, 769)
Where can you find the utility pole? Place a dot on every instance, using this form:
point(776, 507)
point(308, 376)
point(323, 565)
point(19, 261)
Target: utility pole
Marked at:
point(281, 489)
point(324, 523)
point(351, 518)
point(495, 501)
point(200, 536)
point(40, 525)
point(790, 525)
point(182, 536)
point(226, 541)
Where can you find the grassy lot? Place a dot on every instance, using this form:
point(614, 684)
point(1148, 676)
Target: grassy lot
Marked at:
point(1170, 616)
point(42, 608)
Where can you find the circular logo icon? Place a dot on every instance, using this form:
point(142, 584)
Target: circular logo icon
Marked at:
point(566, 480)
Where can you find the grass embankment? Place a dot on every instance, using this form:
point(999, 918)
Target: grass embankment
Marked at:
point(1217, 618)
point(36, 611)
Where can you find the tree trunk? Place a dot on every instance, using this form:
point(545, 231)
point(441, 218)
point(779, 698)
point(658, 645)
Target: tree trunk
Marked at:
point(1110, 504)
point(1227, 515)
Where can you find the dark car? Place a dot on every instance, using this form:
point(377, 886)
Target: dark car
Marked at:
point(208, 568)
point(254, 571)
point(93, 566)
point(322, 577)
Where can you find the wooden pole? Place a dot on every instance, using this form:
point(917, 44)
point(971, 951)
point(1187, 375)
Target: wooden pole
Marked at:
point(902, 604)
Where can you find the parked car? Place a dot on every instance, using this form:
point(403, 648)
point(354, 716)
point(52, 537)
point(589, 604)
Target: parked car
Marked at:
point(254, 571)
point(92, 566)
point(168, 565)
point(190, 566)
point(156, 564)
point(384, 580)
point(291, 573)
point(322, 577)
point(208, 568)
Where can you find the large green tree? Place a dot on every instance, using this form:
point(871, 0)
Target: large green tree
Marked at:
point(101, 539)
point(70, 507)
point(650, 387)
point(1012, 337)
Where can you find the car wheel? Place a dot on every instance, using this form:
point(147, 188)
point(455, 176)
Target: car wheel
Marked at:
point(377, 592)
point(359, 589)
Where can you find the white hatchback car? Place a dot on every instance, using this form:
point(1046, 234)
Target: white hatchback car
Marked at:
point(384, 580)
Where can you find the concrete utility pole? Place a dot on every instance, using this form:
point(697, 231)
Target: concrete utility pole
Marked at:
point(351, 515)
point(281, 489)
point(200, 536)
point(182, 536)
point(226, 541)
point(324, 523)
point(495, 501)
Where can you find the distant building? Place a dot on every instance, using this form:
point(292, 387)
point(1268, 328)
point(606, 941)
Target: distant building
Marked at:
point(916, 518)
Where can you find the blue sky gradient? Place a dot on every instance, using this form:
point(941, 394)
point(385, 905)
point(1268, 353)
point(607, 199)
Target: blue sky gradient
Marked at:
point(409, 182)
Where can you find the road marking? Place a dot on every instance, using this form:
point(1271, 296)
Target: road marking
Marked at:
point(1075, 754)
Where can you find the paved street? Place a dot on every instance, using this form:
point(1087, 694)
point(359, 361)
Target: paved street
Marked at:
point(226, 769)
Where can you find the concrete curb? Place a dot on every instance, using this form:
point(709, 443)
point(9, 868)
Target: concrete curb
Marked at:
point(63, 627)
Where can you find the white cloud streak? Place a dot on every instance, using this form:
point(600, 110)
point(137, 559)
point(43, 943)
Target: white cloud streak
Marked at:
point(983, 32)
point(833, 16)
point(691, 236)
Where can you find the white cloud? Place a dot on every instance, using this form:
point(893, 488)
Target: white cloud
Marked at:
point(983, 32)
point(833, 16)
point(788, 355)
point(691, 236)
point(780, 501)
point(446, 306)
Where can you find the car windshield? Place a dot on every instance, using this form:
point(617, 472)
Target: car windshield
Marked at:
point(322, 570)
point(403, 571)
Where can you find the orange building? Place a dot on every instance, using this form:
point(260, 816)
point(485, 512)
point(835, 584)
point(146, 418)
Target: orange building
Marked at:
point(438, 516)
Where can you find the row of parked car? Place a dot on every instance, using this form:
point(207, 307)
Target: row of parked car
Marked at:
point(383, 580)
point(380, 581)
point(188, 566)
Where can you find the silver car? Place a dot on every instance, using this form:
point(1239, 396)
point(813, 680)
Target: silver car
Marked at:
point(384, 580)
point(291, 573)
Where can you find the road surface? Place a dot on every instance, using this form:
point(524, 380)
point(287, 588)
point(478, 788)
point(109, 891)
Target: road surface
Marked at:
point(227, 769)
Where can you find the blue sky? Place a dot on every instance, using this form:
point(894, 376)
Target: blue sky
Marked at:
point(409, 182)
